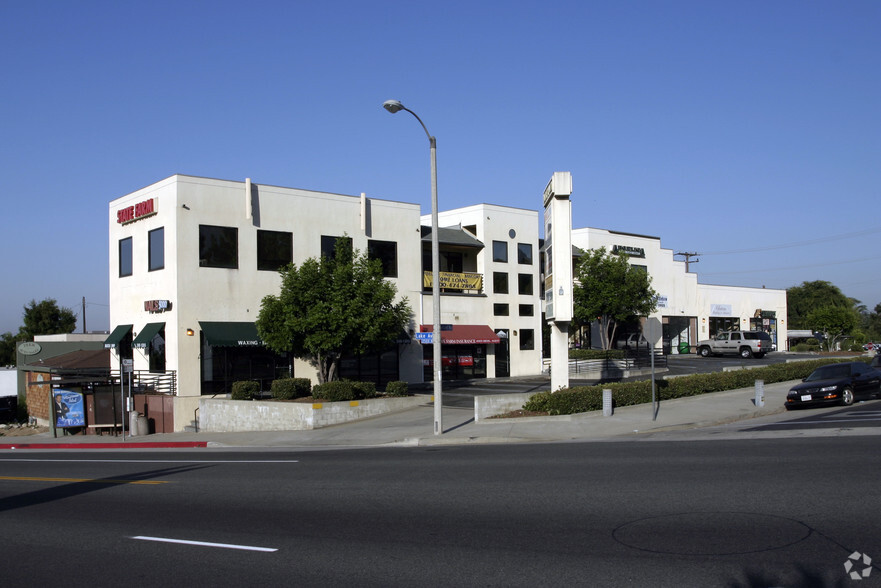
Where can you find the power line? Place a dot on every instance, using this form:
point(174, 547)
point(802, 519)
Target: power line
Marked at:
point(799, 243)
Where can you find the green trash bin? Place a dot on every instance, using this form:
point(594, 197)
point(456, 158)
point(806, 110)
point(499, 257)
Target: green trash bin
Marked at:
point(684, 348)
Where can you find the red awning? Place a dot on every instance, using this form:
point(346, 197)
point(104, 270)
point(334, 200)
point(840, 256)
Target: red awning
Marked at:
point(465, 335)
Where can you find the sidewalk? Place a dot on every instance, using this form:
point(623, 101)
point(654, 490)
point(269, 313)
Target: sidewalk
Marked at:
point(414, 427)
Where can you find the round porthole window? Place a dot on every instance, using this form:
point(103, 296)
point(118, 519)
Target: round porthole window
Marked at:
point(512, 233)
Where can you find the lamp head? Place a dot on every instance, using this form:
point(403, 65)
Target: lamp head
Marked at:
point(392, 106)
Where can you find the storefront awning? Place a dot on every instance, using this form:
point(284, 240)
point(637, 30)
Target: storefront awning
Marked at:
point(230, 334)
point(146, 335)
point(465, 335)
point(118, 334)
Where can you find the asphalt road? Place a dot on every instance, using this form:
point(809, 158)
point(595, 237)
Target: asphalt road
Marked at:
point(778, 512)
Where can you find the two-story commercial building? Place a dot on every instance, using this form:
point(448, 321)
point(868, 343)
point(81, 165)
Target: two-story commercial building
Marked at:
point(191, 259)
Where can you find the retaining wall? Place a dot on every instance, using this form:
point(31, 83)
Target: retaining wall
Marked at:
point(218, 415)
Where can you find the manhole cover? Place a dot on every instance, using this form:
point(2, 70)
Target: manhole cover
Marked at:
point(711, 533)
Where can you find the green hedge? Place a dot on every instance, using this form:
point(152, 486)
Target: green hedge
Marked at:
point(291, 388)
point(336, 391)
point(364, 390)
point(596, 353)
point(397, 388)
point(244, 390)
point(589, 398)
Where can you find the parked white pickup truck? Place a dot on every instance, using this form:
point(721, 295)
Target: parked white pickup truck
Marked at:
point(744, 343)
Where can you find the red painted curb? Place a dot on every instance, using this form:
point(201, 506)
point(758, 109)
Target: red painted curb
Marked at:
point(145, 445)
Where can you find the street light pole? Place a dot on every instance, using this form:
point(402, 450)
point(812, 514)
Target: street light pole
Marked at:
point(394, 106)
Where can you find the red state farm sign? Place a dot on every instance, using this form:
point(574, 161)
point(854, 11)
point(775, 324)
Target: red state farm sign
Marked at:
point(130, 214)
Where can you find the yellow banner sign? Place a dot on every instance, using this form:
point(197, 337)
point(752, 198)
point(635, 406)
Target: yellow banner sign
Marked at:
point(455, 281)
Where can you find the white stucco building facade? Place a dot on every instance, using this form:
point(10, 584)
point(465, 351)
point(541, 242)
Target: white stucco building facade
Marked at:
point(688, 310)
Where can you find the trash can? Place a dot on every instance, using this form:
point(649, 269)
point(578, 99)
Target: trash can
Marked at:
point(143, 425)
point(684, 348)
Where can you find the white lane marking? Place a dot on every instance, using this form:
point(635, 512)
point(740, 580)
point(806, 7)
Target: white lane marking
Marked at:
point(159, 460)
point(205, 543)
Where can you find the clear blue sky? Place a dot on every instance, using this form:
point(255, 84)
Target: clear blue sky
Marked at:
point(748, 131)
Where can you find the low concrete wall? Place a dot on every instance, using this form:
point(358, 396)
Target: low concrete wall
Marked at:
point(217, 415)
point(487, 406)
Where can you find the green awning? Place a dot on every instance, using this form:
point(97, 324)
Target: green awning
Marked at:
point(146, 335)
point(116, 337)
point(230, 334)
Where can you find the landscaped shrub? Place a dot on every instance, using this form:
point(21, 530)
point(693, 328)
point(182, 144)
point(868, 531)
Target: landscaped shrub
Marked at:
point(596, 354)
point(335, 391)
point(804, 347)
point(396, 388)
point(588, 398)
point(245, 390)
point(290, 388)
point(364, 389)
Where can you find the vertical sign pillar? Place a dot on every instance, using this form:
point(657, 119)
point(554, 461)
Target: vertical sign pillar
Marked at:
point(557, 285)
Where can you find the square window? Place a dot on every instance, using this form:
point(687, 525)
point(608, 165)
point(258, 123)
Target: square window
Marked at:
point(524, 253)
point(387, 253)
point(125, 257)
point(500, 310)
point(527, 339)
point(275, 249)
point(524, 284)
point(500, 283)
point(218, 247)
point(527, 310)
point(328, 245)
point(500, 251)
point(156, 249)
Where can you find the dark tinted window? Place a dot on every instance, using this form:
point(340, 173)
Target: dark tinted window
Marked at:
point(125, 257)
point(275, 249)
point(156, 249)
point(218, 247)
point(524, 253)
point(328, 245)
point(500, 309)
point(757, 335)
point(500, 251)
point(500, 283)
point(387, 253)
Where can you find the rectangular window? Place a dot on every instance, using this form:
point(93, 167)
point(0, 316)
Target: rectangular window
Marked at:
point(500, 283)
point(275, 249)
point(527, 310)
point(218, 247)
point(125, 257)
point(524, 284)
point(500, 251)
point(387, 253)
point(328, 245)
point(500, 310)
point(524, 253)
point(527, 339)
point(156, 249)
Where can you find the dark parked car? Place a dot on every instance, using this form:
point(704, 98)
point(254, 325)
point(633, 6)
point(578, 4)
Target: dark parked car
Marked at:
point(838, 383)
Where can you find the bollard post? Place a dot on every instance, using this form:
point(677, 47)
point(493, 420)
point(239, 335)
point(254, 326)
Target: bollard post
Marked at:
point(607, 402)
point(760, 393)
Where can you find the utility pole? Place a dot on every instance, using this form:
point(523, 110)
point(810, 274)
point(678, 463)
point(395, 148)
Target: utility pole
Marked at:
point(688, 257)
point(84, 315)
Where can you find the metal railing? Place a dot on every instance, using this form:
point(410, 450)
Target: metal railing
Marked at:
point(147, 382)
point(632, 359)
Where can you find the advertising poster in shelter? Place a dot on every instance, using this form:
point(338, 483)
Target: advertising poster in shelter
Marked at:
point(69, 409)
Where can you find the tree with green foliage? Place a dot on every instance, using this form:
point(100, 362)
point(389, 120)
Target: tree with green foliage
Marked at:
point(332, 306)
point(7, 349)
point(835, 322)
point(46, 318)
point(810, 296)
point(610, 290)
